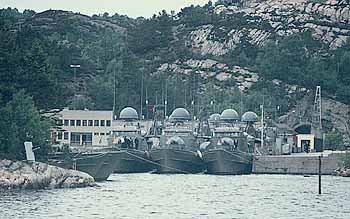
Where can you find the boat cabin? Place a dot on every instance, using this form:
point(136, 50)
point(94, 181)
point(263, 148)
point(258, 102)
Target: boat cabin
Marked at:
point(178, 132)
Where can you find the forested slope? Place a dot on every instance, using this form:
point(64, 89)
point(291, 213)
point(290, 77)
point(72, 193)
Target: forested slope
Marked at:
point(204, 58)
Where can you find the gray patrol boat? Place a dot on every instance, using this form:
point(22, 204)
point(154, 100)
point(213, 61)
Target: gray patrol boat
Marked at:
point(177, 151)
point(128, 138)
point(227, 152)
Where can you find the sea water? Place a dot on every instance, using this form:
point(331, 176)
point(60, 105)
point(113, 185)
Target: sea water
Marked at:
point(187, 196)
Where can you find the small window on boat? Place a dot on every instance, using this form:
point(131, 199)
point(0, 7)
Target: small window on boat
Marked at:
point(96, 133)
point(90, 122)
point(66, 122)
point(84, 122)
point(65, 136)
point(97, 123)
point(108, 122)
point(102, 133)
point(78, 122)
point(72, 123)
point(102, 122)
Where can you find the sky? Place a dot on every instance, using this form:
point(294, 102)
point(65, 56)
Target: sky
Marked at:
point(132, 8)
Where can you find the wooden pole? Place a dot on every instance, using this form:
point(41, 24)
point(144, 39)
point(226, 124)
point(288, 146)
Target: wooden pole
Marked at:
point(319, 174)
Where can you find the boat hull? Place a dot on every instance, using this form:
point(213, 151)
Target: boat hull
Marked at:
point(176, 161)
point(98, 165)
point(133, 161)
point(223, 162)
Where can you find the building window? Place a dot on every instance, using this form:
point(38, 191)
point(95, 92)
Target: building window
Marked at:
point(96, 122)
point(84, 122)
point(59, 135)
point(72, 123)
point(75, 138)
point(65, 136)
point(102, 123)
point(86, 138)
point(90, 123)
point(78, 122)
point(108, 123)
point(66, 122)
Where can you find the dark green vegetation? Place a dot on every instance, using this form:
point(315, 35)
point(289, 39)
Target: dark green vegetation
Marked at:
point(37, 49)
point(20, 122)
point(333, 140)
point(299, 59)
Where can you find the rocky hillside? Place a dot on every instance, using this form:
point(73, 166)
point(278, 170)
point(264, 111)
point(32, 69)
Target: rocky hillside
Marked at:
point(263, 21)
point(215, 56)
point(329, 21)
point(257, 23)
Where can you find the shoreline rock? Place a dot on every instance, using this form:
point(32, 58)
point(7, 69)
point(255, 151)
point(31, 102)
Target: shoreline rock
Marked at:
point(344, 172)
point(36, 175)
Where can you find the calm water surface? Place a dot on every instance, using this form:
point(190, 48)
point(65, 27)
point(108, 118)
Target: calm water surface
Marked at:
point(187, 196)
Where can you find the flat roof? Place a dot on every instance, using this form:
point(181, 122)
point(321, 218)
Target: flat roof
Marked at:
point(86, 114)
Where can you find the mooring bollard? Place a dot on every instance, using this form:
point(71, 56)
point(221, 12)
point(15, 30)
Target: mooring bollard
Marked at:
point(319, 174)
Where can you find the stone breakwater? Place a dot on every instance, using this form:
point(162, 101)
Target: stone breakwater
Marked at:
point(36, 175)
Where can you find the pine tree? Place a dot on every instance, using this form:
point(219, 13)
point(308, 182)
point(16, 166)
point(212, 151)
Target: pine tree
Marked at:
point(20, 122)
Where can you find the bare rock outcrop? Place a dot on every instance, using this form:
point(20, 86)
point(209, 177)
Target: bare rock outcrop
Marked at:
point(36, 175)
point(260, 20)
point(211, 69)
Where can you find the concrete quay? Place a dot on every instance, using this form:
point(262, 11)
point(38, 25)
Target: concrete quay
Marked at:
point(302, 163)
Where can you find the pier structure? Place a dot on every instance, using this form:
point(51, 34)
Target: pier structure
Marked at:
point(299, 164)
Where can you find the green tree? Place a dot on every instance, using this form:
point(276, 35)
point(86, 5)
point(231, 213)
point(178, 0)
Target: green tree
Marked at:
point(20, 122)
point(101, 92)
point(151, 34)
point(38, 77)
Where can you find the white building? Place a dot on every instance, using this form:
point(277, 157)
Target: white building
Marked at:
point(84, 128)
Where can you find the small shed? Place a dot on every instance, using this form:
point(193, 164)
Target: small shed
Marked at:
point(305, 142)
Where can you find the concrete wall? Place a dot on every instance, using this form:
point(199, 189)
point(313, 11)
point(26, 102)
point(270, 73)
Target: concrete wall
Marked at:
point(306, 164)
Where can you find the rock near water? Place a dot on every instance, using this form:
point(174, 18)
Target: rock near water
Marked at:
point(36, 175)
point(345, 172)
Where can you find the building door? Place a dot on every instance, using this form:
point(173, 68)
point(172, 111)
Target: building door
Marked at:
point(305, 146)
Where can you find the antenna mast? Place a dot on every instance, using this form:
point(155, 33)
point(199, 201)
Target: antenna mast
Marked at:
point(262, 121)
point(317, 114)
point(166, 98)
point(141, 104)
point(114, 89)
